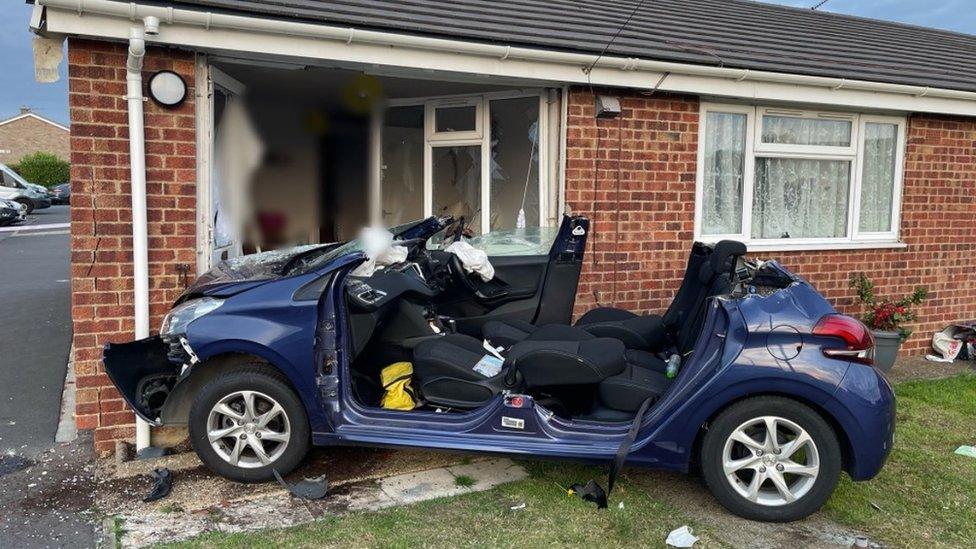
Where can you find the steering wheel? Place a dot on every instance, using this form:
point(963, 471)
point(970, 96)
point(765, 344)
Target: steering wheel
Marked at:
point(462, 276)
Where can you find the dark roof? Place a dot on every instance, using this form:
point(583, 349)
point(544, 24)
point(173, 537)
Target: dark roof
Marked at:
point(729, 33)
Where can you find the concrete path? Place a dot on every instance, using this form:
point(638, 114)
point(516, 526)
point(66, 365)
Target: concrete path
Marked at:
point(143, 525)
point(35, 331)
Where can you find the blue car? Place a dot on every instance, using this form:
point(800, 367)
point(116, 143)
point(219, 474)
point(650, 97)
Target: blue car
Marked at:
point(750, 378)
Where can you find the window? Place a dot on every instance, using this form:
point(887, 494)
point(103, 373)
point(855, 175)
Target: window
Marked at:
point(483, 157)
point(790, 179)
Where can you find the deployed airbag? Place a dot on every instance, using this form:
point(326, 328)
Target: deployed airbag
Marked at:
point(472, 259)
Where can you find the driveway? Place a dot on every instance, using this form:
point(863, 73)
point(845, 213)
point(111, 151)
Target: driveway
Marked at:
point(35, 329)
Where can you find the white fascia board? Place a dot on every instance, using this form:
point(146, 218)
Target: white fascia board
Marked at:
point(540, 66)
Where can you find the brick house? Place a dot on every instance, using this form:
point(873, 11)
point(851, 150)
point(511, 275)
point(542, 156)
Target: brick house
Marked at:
point(834, 144)
point(29, 133)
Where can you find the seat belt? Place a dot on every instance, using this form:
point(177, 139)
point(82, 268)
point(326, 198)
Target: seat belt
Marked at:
point(594, 492)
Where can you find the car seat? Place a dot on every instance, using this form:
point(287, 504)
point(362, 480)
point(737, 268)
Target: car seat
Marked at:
point(706, 275)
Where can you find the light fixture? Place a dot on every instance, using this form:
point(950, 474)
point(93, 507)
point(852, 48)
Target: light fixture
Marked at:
point(167, 88)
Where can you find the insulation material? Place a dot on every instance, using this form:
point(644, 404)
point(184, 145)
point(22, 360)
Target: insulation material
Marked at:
point(48, 54)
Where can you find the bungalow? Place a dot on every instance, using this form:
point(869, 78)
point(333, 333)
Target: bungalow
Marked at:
point(835, 144)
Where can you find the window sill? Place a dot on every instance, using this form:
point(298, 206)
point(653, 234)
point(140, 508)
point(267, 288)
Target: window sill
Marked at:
point(824, 246)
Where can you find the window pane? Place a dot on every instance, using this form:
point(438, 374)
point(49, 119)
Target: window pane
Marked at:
point(806, 131)
point(725, 152)
point(456, 174)
point(402, 175)
point(456, 119)
point(514, 162)
point(800, 198)
point(527, 241)
point(878, 177)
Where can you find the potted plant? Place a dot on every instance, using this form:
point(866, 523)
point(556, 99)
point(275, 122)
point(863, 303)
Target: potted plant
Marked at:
point(885, 318)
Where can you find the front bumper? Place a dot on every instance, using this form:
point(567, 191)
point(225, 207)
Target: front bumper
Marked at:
point(41, 203)
point(145, 372)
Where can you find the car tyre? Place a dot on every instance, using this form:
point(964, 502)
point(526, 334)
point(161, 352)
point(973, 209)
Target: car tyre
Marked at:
point(244, 413)
point(28, 203)
point(751, 475)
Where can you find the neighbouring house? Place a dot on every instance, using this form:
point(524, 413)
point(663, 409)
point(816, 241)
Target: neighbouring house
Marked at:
point(28, 133)
point(835, 144)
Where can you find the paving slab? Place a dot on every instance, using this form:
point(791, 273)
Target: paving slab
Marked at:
point(182, 515)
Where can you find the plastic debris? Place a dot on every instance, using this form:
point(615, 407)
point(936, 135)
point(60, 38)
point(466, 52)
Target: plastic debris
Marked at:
point(681, 537)
point(969, 451)
point(518, 507)
point(162, 485)
point(310, 488)
point(591, 492)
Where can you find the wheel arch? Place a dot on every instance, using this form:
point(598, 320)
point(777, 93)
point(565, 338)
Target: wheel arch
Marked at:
point(843, 437)
point(177, 408)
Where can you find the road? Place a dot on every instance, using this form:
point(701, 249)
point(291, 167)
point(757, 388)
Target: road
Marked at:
point(35, 329)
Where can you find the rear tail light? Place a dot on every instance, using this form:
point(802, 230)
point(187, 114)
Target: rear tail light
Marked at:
point(857, 341)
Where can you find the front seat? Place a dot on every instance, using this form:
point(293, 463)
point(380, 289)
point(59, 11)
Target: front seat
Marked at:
point(445, 367)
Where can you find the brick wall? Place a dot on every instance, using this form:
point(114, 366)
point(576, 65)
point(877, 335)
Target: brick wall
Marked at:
point(101, 219)
point(643, 229)
point(643, 225)
point(30, 135)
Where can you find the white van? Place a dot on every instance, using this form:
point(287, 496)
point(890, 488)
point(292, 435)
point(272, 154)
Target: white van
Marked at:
point(16, 188)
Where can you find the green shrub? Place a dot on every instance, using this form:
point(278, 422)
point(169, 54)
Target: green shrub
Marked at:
point(44, 168)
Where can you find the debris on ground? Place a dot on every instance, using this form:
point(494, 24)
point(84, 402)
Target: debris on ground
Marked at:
point(969, 451)
point(518, 507)
point(162, 485)
point(310, 488)
point(681, 537)
point(591, 492)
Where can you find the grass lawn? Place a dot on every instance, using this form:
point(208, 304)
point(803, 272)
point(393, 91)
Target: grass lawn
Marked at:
point(926, 493)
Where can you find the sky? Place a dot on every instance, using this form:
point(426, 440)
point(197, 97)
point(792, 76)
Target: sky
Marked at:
point(19, 88)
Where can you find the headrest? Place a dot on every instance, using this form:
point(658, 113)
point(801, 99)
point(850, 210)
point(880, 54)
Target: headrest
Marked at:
point(720, 261)
point(725, 253)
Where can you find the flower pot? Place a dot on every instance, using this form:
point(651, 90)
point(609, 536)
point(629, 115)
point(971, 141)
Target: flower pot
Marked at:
point(886, 346)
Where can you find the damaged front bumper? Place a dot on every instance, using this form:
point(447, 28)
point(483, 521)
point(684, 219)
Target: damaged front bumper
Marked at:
point(147, 372)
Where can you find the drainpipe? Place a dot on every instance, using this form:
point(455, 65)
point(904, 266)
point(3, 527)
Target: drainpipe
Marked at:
point(137, 167)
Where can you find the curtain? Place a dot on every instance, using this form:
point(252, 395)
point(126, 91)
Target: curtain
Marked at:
point(800, 198)
point(806, 131)
point(725, 149)
point(878, 176)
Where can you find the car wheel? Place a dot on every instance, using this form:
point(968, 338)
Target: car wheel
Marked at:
point(771, 459)
point(247, 423)
point(28, 203)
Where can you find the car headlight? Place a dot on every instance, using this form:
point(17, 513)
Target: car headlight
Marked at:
point(176, 321)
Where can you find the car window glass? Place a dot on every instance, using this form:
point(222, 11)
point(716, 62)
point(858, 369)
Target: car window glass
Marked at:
point(510, 242)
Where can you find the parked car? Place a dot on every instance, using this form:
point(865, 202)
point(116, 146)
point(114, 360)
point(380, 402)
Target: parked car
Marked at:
point(16, 188)
point(61, 194)
point(11, 212)
point(751, 376)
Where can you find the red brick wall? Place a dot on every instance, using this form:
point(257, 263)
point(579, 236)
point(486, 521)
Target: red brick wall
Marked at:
point(641, 228)
point(642, 233)
point(101, 218)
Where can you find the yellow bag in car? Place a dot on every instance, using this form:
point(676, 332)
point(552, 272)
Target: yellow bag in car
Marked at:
point(399, 394)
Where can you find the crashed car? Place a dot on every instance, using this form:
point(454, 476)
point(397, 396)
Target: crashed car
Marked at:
point(750, 377)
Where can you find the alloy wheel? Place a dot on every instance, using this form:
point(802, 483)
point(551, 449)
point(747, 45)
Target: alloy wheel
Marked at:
point(248, 429)
point(770, 461)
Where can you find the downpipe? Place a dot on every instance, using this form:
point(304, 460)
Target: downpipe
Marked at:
point(137, 168)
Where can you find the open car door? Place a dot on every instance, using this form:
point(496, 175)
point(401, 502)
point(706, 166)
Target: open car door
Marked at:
point(537, 271)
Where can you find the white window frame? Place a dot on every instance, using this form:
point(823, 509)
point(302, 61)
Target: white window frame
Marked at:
point(481, 136)
point(430, 118)
point(755, 148)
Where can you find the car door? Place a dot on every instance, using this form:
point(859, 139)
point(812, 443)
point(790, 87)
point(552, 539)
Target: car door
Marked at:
point(537, 271)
